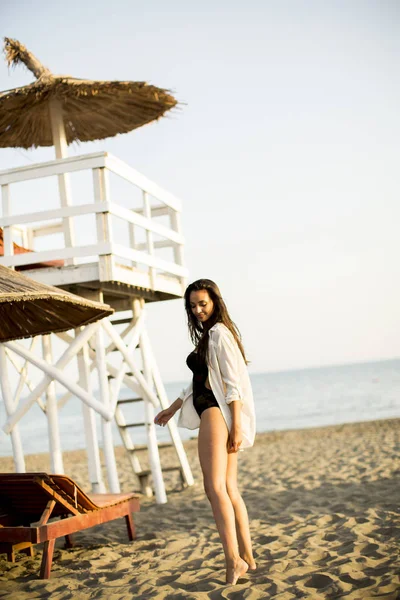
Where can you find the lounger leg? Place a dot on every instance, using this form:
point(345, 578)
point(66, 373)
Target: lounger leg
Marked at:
point(11, 554)
point(29, 551)
point(131, 527)
point(47, 559)
point(69, 542)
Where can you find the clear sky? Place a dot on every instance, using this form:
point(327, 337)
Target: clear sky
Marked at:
point(285, 156)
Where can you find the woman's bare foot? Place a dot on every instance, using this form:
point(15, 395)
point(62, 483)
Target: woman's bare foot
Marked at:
point(237, 570)
point(250, 561)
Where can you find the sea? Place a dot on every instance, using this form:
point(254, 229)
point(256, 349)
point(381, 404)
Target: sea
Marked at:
point(294, 399)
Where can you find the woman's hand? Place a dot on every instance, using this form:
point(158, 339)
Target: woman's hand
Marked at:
point(165, 415)
point(235, 439)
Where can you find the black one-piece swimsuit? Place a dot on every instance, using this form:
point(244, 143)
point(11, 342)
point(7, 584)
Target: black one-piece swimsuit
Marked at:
point(202, 397)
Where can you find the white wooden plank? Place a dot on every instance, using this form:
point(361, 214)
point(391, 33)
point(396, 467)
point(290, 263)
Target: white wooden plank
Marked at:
point(157, 210)
point(151, 261)
point(7, 231)
point(126, 172)
point(55, 373)
point(56, 459)
point(120, 344)
point(18, 453)
point(56, 213)
point(154, 455)
point(176, 226)
point(23, 372)
point(106, 425)
point(89, 420)
point(53, 167)
point(146, 223)
point(149, 238)
point(66, 276)
point(172, 426)
point(157, 244)
point(134, 341)
point(47, 229)
point(128, 380)
point(62, 253)
point(103, 222)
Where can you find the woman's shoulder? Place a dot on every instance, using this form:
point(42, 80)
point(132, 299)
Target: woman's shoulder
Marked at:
point(218, 327)
point(219, 330)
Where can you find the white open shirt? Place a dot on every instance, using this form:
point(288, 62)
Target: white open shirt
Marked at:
point(229, 382)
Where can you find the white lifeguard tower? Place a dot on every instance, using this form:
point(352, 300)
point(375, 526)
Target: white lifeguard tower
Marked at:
point(104, 232)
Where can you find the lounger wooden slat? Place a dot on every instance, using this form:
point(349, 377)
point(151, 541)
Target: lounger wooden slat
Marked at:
point(29, 500)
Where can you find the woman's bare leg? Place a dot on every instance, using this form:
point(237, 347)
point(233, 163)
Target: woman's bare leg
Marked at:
point(241, 517)
point(213, 455)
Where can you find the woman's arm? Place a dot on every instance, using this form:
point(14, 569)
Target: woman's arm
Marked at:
point(177, 404)
point(186, 391)
point(165, 415)
point(227, 353)
point(227, 356)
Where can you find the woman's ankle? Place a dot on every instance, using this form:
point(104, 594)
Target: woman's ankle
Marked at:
point(233, 561)
point(249, 559)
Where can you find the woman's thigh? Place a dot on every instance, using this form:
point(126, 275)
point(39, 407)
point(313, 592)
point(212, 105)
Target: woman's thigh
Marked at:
point(213, 439)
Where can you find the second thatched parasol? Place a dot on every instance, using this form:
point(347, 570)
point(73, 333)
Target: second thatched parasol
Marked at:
point(82, 110)
point(29, 308)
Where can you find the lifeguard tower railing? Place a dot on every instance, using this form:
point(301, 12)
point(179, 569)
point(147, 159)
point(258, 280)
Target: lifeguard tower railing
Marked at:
point(126, 253)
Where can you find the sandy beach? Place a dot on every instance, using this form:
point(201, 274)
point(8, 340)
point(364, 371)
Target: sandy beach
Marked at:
point(324, 512)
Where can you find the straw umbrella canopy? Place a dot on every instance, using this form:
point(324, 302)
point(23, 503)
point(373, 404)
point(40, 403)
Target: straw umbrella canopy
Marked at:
point(29, 308)
point(85, 110)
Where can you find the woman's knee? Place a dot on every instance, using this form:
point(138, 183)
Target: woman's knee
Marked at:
point(214, 489)
point(233, 491)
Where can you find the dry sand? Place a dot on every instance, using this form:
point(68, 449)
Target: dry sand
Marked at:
point(325, 520)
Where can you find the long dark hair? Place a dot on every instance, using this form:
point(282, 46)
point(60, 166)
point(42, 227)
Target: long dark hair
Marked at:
point(198, 331)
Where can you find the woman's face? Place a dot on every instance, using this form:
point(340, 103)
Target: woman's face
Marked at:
point(201, 305)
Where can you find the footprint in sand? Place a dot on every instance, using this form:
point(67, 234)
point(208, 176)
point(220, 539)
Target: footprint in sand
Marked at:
point(359, 583)
point(319, 581)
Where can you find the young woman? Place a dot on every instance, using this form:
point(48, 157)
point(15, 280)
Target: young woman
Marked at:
point(219, 401)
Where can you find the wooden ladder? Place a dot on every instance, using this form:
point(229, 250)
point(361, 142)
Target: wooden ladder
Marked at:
point(143, 378)
point(134, 450)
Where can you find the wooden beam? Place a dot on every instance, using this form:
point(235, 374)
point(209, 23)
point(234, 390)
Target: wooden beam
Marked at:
point(127, 172)
point(57, 497)
point(55, 213)
point(62, 253)
point(55, 372)
point(56, 460)
point(53, 167)
point(18, 453)
point(145, 222)
point(46, 514)
point(106, 425)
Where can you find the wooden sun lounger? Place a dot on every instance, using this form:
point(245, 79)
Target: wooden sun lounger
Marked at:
point(29, 500)
point(21, 250)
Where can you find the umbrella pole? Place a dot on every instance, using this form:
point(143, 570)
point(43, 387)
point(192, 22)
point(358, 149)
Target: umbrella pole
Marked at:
point(61, 148)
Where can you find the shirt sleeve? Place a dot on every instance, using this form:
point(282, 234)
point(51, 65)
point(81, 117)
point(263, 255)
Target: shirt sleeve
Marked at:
point(227, 349)
point(186, 392)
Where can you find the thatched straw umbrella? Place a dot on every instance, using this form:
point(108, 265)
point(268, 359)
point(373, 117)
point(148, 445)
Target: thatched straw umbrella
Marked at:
point(62, 107)
point(29, 308)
